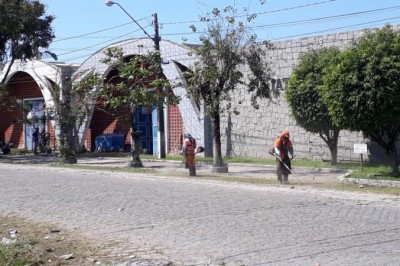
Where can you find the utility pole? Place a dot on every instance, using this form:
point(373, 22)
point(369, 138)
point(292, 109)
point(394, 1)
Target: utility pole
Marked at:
point(156, 34)
point(160, 114)
point(160, 109)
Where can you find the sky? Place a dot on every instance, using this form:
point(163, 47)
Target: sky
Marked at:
point(83, 27)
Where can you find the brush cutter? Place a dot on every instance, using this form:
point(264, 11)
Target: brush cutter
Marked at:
point(287, 167)
point(199, 149)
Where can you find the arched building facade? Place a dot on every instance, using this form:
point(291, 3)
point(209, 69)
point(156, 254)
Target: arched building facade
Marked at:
point(248, 134)
point(30, 83)
point(178, 119)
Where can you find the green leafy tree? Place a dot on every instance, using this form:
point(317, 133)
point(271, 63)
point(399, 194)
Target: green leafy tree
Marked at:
point(305, 100)
point(138, 82)
point(362, 92)
point(25, 31)
point(73, 103)
point(227, 49)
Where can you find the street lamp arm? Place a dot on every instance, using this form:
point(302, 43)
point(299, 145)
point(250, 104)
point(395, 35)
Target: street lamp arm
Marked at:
point(110, 3)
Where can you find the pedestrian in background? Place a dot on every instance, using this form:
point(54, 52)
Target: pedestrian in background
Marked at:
point(284, 152)
point(189, 152)
point(35, 140)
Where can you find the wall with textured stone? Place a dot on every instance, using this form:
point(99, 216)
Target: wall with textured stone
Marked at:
point(253, 132)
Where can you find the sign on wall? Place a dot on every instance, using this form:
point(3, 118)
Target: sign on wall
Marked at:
point(360, 148)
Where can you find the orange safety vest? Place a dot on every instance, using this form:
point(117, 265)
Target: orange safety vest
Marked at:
point(189, 146)
point(284, 148)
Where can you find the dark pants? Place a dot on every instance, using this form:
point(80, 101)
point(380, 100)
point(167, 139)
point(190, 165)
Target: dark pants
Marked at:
point(282, 171)
point(190, 163)
point(35, 147)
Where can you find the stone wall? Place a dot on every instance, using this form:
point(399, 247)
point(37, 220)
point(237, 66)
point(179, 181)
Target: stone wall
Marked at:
point(253, 132)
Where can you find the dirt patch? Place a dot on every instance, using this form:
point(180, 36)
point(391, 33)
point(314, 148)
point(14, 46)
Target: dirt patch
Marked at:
point(27, 243)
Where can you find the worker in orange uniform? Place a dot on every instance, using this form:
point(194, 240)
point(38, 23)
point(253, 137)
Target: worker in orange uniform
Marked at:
point(284, 153)
point(189, 151)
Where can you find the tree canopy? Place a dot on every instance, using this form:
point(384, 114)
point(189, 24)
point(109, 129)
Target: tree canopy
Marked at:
point(73, 102)
point(362, 91)
point(138, 82)
point(227, 47)
point(305, 100)
point(25, 30)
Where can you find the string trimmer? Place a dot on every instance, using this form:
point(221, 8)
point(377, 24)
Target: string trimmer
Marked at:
point(287, 167)
point(199, 149)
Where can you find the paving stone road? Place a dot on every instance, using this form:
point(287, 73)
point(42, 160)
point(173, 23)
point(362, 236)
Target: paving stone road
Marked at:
point(190, 222)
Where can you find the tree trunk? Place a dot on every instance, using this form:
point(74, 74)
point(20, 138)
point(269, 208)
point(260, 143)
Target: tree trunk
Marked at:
point(330, 137)
point(135, 142)
point(387, 140)
point(216, 134)
point(7, 71)
point(393, 161)
point(67, 151)
point(333, 150)
point(75, 141)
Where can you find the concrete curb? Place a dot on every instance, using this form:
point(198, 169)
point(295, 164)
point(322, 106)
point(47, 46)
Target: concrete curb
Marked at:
point(367, 182)
point(343, 178)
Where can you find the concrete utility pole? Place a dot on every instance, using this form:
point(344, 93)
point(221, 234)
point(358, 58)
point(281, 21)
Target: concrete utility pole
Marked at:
point(160, 122)
point(160, 112)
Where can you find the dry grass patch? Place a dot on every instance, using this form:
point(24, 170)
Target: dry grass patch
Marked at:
point(25, 243)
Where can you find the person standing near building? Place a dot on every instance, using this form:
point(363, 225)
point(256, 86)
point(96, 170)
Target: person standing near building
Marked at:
point(188, 150)
point(284, 152)
point(35, 140)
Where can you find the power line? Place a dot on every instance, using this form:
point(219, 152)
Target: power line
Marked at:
point(297, 22)
point(88, 47)
point(313, 20)
point(281, 38)
point(91, 33)
point(260, 13)
point(285, 24)
point(292, 36)
point(91, 46)
point(188, 22)
point(335, 29)
point(175, 57)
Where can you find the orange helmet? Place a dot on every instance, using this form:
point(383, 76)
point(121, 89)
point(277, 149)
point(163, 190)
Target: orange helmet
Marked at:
point(285, 133)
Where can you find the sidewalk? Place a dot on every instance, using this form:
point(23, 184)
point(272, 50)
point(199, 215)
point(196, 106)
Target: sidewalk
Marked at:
point(301, 175)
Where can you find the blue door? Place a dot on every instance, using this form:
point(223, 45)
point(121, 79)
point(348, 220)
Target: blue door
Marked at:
point(144, 126)
point(35, 120)
point(154, 126)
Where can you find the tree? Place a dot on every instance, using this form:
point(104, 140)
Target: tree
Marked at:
point(138, 83)
point(72, 106)
point(25, 30)
point(227, 47)
point(362, 91)
point(303, 95)
point(73, 103)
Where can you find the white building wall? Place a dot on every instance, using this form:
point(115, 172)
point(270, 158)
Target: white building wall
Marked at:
point(253, 132)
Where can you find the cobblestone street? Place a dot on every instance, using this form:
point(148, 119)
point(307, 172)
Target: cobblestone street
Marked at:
point(190, 222)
